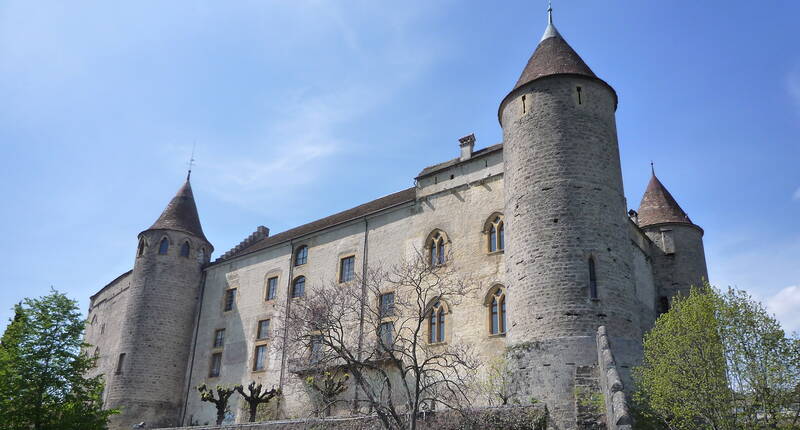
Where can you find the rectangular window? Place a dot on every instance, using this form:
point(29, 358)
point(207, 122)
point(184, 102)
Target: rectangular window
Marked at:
point(347, 269)
point(316, 348)
point(668, 241)
point(387, 305)
point(272, 288)
point(263, 329)
point(120, 362)
point(230, 299)
point(260, 359)
point(216, 364)
point(386, 334)
point(219, 338)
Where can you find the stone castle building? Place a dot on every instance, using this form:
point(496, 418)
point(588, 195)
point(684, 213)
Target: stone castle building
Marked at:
point(540, 219)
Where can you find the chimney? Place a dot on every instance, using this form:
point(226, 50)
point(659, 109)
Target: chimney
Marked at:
point(467, 144)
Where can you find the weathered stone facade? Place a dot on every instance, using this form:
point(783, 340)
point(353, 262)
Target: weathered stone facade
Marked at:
point(573, 261)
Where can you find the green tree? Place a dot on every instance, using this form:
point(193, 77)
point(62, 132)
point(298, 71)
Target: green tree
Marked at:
point(42, 368)
point(718, 361)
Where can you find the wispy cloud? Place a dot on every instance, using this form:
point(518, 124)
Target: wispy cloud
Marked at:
point(784, 305)
point(796, 195)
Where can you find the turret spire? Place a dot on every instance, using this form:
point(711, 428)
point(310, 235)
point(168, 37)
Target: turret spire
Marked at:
point(658, 206)
point(181, 214)
point(550, 12)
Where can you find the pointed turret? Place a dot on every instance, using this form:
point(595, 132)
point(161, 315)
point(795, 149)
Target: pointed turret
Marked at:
point(553, 56)
point(181, 214)
point(658, 206)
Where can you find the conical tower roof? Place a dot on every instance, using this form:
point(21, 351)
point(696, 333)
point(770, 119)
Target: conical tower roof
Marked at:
point(658, 206)
point(181, 214)
point(553, 56)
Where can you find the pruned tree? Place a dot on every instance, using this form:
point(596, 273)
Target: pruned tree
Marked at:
point(328, 386)
point(256, 395)
point(220, 401)
point(386, 328)
point(497, 384)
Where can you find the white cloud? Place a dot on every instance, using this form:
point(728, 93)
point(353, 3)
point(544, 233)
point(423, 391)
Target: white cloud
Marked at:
point(785, 305)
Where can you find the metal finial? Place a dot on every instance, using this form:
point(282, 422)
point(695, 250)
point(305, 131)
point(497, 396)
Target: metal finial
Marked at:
point(549, 11)
point(191, 162)
point(652, 168)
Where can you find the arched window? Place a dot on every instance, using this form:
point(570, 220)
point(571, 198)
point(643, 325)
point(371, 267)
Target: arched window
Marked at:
point(436, 248)
point(495, 233)
point(299, 287)
point(497, 310)
point(301, 256)
point(185, 249)
point(142, 246)
point(436, 326)
point(592, 279)
point(201, 255)
point(163, 246)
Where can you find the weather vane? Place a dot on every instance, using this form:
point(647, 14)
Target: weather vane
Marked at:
point(191, 162)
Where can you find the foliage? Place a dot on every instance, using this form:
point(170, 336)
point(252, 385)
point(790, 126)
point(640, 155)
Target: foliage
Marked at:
point(717, 361)
point(42, 368)
point(398, 376)
point(256, 395)
point(328, 386)
point(220, 401)
point(497, 383)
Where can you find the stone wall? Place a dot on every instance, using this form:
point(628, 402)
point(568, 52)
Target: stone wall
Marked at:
point(617, 412)
point(679, 260)
point(529, 417)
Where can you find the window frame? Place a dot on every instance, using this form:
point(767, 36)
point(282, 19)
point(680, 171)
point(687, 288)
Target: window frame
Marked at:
point(352, 273)
point(381, 335)
point(272, 288)
point(293, 288)
point(263, 335)
point(120, 364)
point(164, 250)
point(215, 365)
point(228, 292)
point(382, 312)
point(436, 246)
point(187, 247)
point(301, 250)
point(437, 322)
point(494, 228)
point(497, 303)
point(262, 348)
point(219, 334)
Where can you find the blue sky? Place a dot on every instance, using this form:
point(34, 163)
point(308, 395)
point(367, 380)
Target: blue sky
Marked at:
point(301, 109)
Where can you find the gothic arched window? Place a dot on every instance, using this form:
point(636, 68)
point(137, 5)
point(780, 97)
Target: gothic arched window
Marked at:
point(495, 229)
point(185, 248)
point(301, 256)
point(497, 311)
point(592, 279)
point(163, 246)
point(299, 287)
point(142, 246)
point(436, 324)
point(437, 248)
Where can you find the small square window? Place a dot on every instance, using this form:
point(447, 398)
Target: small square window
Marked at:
point(386, 334)
point(347, 269)
point(219, 338)
point(260, 359)
point(387, 305)
point(216, 364)
point(263, 329)
point(272, 288)
point(230, 299)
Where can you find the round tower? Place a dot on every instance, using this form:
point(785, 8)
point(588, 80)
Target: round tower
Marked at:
point(568, 253)
point(679, 260)
point(150, 378)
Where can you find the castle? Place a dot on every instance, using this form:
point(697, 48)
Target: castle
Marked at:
point(540, 219)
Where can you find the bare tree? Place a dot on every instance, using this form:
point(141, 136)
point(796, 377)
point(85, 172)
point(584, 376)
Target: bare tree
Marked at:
point(220, 401)
point(386, 328)
point(256, 394)
point(328, 386)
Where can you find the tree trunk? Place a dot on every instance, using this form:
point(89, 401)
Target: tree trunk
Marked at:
point(253, 410)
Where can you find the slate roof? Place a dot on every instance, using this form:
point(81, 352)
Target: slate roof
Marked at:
point(658, 206)
point(553, 56)
point(455, 161)
point(181, 214)
point(368, 208)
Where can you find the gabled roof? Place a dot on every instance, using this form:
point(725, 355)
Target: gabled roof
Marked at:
point(181, 214)
point(377, 205)
point(658, 206)
point(553, 56)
